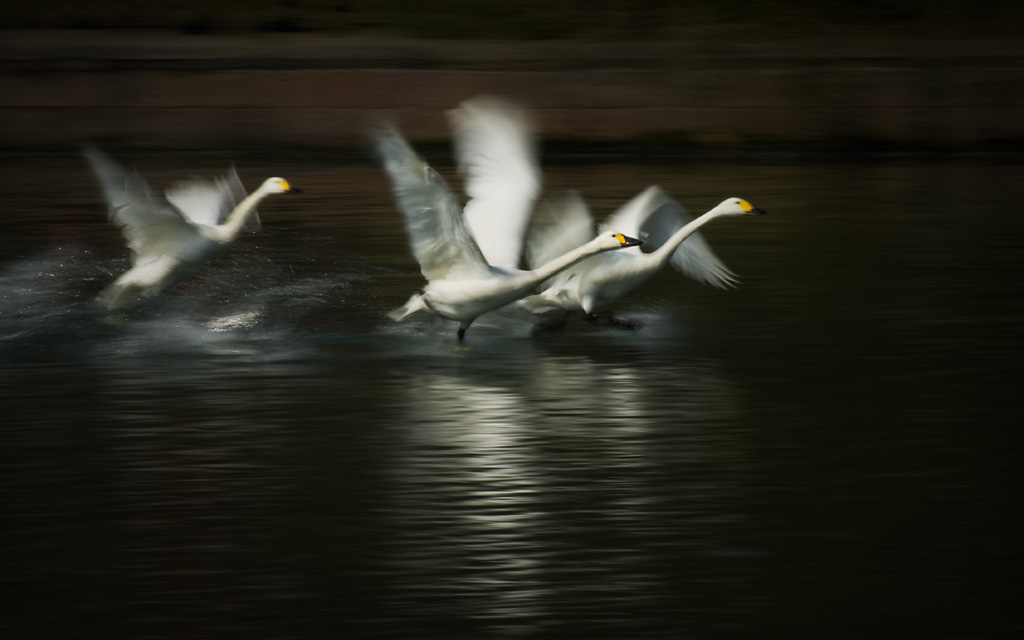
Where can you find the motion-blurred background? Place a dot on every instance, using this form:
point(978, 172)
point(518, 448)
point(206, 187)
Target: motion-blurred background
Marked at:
point(773, 74)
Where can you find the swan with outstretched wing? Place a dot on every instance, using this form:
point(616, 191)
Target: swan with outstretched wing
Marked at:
point(171, 234)
point(461, 283)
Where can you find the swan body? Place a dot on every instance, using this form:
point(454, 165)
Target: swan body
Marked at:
point(651, 215)
point(173, 233)
point(461, 283)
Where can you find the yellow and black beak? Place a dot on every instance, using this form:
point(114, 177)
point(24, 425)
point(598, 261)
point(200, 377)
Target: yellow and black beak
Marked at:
point(626, 241)
point(751, 210)
point(287, 187)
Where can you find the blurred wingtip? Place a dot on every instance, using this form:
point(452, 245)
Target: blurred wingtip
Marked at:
point(381, 134)
point(389, 144)
point(91, 151)
point(725, 279)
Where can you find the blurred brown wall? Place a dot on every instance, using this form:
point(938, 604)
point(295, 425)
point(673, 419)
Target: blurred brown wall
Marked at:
point(63, 88)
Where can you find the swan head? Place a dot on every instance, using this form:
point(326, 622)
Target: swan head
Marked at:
point(277, 185)
point(609, 241)
point(737, 207)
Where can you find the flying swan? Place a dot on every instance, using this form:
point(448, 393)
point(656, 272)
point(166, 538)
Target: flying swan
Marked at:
point(461, 283)
point(497, 156)
point(652, 215)
point(172, 234)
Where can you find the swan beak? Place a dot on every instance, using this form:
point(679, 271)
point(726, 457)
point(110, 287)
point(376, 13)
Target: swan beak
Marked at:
point(626, 241)
point(286, 187)
point(750, 209)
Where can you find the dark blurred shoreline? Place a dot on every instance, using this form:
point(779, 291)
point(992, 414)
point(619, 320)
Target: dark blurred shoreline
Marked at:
point(772, 97)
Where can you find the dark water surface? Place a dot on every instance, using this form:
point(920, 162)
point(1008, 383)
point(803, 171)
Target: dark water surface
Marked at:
point(827, 451)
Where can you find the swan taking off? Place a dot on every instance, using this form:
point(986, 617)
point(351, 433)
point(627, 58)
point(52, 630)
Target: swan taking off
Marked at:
point(172, 234)
point(461, 284)
point(652, 215)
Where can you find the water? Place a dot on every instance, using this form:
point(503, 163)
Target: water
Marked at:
point(827, 451)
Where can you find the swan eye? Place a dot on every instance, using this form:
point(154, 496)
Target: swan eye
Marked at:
point(746, 206)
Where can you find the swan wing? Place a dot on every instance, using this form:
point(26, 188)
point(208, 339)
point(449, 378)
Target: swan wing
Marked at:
point(632, 217)
point(497, 156)
point(151, 225)
point(694, 256)
point(696, 259)
point(439, 238)
point(210, 202)
point(561, 223)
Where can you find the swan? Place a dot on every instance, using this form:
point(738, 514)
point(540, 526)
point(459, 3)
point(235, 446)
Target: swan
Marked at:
point(651, 215)
point(174, 233)
point(497, 155)
point(461, 283)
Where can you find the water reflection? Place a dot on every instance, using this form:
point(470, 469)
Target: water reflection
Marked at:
point(520, 501)
point(465, 473)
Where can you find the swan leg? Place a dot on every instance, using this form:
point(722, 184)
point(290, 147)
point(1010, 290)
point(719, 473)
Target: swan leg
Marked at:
point(463, 326)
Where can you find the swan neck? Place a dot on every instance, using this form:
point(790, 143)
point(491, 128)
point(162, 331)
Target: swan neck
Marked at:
point(664, 253)
point(233, 224)
point(566, 260)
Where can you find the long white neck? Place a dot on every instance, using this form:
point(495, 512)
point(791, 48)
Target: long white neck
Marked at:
point(230, 228)
point(664, 253)
point(566, 260)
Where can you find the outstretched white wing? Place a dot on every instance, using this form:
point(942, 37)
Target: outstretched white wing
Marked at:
point(439, 238)
point(631, 217)
point(497, 156)
point(209, 202)
point(561, 223)
point(151, 225)
point(654, 216)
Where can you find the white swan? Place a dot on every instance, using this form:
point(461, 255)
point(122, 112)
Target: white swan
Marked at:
point(461, 284)
point(651, 215)
point(171, 234)
point(497, 155)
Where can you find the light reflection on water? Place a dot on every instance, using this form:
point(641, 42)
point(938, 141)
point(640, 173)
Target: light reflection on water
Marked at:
point(504, 485)
point(259, 445)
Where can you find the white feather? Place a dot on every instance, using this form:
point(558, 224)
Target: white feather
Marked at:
point(669, 236)
point(461, 285)
point(171, 234)
point(497, 157)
